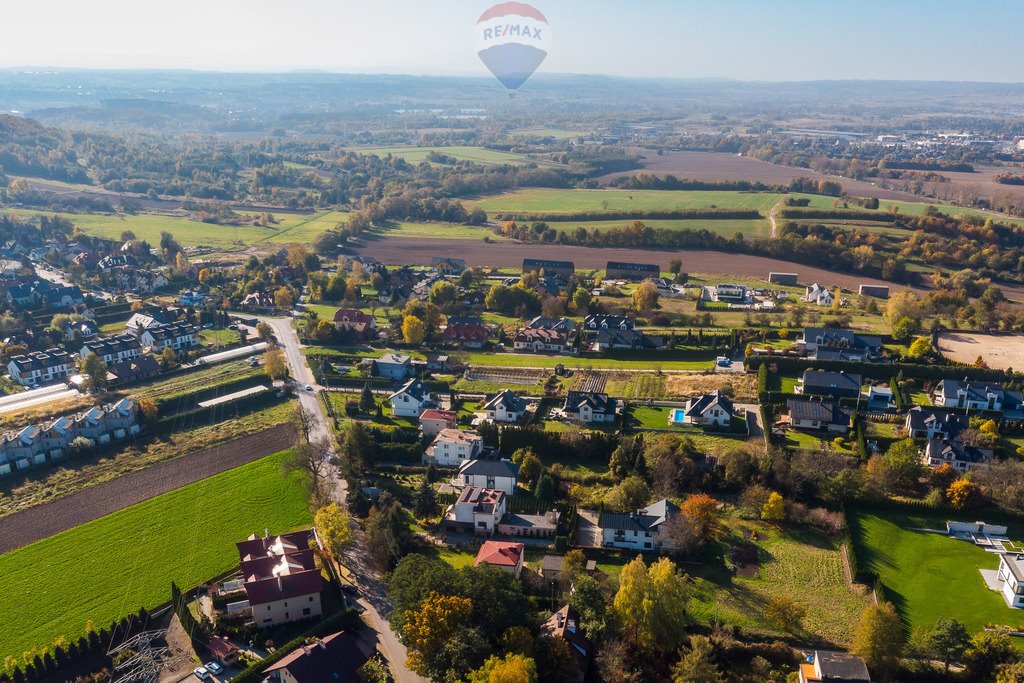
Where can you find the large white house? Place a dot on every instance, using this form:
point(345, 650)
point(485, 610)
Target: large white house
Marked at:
point(453, 447)
point(113, 349)
point(40, 367)
point(1011, 574)
point(411, 399)
point(489, 474)
point(590, 406)
point(640, 530)
point(177, 336)
point(713, 410)
point(953, 393)
point(478, 511)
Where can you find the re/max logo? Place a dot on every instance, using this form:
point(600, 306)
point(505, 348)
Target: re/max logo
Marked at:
point(512, 30)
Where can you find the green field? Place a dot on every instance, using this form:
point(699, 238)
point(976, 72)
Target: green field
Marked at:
point(556, 133)
point(108, 568)
point(437, 231)
point(567, 201)
point(304, 229)
point(929, 576)
point(415, 155)
point(912, 208)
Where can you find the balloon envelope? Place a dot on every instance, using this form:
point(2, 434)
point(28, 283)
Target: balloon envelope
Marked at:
point(512, 39)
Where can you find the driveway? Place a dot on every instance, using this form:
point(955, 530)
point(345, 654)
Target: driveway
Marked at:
point(588, 533)
point(372, 591)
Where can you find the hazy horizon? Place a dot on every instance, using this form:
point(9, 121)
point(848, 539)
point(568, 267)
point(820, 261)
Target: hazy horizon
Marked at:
point(787, 41)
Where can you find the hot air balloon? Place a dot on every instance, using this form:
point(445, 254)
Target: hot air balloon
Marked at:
point(512, 39)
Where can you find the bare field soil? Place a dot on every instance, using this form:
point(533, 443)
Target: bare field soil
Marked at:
point(43, 521)
point(983, 182)
point(999, 351)
point(418, 251)
point(711, 166)
point(744, 386)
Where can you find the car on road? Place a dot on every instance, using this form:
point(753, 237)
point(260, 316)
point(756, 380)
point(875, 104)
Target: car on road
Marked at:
point(233, 327)
point(208, 326)
point(201, 672)
point(308, 387)
point(350, 588)
point(723, 362)
point(213, 667)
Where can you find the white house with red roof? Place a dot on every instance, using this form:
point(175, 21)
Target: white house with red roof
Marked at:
point(433, 420)
point(502, 554)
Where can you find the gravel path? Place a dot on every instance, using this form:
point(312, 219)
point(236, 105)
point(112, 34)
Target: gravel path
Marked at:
point(62, 514)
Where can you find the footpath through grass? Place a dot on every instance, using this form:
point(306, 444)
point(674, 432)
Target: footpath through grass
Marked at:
point(929, 576)
point(108, 568)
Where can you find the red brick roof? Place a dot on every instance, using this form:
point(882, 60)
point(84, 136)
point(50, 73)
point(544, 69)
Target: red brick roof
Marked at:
point(434, 414)
point(500, 554)
point(464, 333)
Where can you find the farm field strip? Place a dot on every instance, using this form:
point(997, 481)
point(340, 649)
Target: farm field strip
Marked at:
point(546, 200)
point(108, 568)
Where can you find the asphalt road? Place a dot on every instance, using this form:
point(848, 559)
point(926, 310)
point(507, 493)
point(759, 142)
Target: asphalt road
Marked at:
point(372, 592)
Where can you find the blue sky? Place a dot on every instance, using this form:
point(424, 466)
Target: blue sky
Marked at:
point(749, 40)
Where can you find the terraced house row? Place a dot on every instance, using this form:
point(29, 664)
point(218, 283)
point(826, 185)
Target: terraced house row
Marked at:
point(50, 441)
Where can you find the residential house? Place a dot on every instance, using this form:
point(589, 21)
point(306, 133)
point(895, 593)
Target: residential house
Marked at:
point(549, 266)
point(990, 396)
point(393, 365)
point(489, 474)
point(259, 300)
point(522, 525)
point(352, 320)
point(957, 454)
point(539, 339)
point(551, 566)
point(463, 335)
point(432, 421)
point(710, 410)
point(140, 321)
point(787, 279)
point(730, 293)
point(608, 322)
point(816, 294)
point(929, 423)
point(878, 291)
point(113, 349)
point(453, 447)
point(565, 624)
point(828, 383)
point(448, 266)
point(46, 294)
point(505, 406)
point(818, 414)
point(551, 285)
point(191, 298)
point(829, 343)
point(590, 406)
point(134, 370)
point(282, 581)
point(640, 530)
point(477, 511)
point(41, 367)
point(562, 324)
point(501, 554)
point(335, 657)
point(609, 339)
point(20, 295)
point(57, 436)
point(178, 336)
point(823, 666)
point(1011, 577)
point(112, 261)
point(411, 399)
point(635, 272)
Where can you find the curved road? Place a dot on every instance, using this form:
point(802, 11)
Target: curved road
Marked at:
point(372, 592)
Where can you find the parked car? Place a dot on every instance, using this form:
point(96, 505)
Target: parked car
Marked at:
point(213, 667)
point(201, 673)
point(308, 387)
point(208, 326)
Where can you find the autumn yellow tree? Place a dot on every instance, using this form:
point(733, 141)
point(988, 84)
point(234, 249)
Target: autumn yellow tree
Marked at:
point(879, 638)
point(427, 630)
point(702, 511)
point(413, 330)
point(645, 297)
point(283, 298)
point(148, 408)
point(513, 668)
point(963, 493)
point(774, 509)
point(274, 364)
point(785, 613)
point(334, 528)
point(651, 604)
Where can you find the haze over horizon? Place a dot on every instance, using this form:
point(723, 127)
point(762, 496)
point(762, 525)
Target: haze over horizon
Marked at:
point(792, 40)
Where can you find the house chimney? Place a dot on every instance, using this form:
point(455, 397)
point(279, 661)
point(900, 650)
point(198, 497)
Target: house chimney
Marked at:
point(280, 583)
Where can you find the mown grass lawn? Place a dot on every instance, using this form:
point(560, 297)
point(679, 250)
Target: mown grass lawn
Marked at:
point(548, 200)
point(526, 360)
point(415, 155)
point(758, 228)
point(109, 568)
point(929, 576)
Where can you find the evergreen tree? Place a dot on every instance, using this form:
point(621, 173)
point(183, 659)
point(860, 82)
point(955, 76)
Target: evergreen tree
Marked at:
point(426, 501)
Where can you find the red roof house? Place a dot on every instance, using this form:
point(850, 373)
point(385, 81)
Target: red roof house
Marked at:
point(470, 336)
point(354, 320)
point(508, 556)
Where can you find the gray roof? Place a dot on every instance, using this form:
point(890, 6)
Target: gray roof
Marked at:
point(814, 380)
point(979, 391)
point(957, 451)
point(820, 411)
point(505, 397)
point(834, 337)
point(414, 388)
point(599, 403)
point(490, 468)
point(949, 423)
point(643, 519)
point(841, 667)
point(699, 404)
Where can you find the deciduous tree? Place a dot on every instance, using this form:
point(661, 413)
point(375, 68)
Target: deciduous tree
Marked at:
point(334, 528)
point(413, 330)
point(879, 638)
